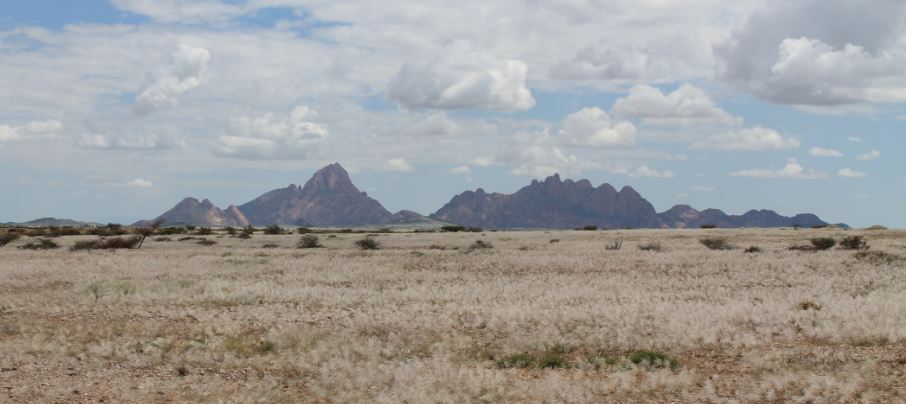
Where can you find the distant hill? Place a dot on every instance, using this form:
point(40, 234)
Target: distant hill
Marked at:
point(558, 204)
point(50, 221)
point(191, 211)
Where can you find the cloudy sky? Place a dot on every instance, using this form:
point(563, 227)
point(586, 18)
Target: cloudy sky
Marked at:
point(114, 110)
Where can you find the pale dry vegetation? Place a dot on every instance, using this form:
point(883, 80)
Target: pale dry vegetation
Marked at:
point(430, 317)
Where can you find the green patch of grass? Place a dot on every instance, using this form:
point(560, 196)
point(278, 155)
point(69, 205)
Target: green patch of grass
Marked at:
point(40, 244)
point(653, 359)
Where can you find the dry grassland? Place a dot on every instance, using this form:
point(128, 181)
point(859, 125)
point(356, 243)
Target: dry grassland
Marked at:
point(424, 319)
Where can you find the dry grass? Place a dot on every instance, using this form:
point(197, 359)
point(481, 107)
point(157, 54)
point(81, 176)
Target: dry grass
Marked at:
point(526, 321)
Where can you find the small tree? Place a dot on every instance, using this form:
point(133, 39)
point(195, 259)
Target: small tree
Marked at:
point(367, 243)
point(854, 243)
point(273, 229)
point(144, 232)
point(309, 241)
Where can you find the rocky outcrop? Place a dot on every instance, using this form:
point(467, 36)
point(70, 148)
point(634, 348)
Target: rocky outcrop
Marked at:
point(191, 211)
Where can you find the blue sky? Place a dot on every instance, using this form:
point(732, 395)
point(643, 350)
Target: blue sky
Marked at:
point(116, 110)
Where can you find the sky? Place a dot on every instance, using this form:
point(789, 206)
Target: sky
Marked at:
point(114, 110)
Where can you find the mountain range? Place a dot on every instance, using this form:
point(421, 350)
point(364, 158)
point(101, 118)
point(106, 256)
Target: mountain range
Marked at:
point(330, 198)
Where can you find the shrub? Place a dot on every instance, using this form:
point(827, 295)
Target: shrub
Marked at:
point(8, 238)
point(190, 227)
point(273, 230)
point(269, 246)
point(614, 245)
point(588, 228)
point(309, 241)
point(248, 231)
point(304, 230)
point(819, 226)
point(171, 231)
point(436, 247)
point(116, 243)
point(40, 244)
point(204, 231)
point(452, 229)
point(823, 243)
point(652, 246)
point(708, 226)
point(653, 359)
point(55, 231)
point(808, 305)
point(473, 229)
point(205, 242)
point(230, 230)
point(877, 257)
point(554, 240)
point(163, 239)
point(367, 243)
point(480, 245)
point(715, 243)
point(854, 243)
point(753, 249)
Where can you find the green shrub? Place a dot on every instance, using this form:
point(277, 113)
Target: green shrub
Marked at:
point(480, 245)
point(309, 241)
point(708, 226)
point(588, 228)
point(716, 243)
point(452, 229)
point(753, 250)
point(823, 243)
point(273, 230)
point(653, 359)
point(8, 238)
point(115, 243)
point(40, 244)
point(854, 243)
point(808, 305)
point(204, 231)
point(304, 230)
point(230, 230)
point(367, 243)
point(652, 246)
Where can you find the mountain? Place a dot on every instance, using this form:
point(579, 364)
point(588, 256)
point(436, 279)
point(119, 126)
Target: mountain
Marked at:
point(191, 211)
point(559, 204)
point(328, 199)
point(684, 216)
point(50, 221)
point(552, 203)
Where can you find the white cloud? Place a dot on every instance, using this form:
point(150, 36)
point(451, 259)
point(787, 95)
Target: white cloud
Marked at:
point(295, 136)
point(855, 139)
point(139, 183)
point(398, 165)
point(787, 52)
point(752, 139)
point(47, 129)
point(461, 170)
point(462, 78)
point(593, 127)
point(173, 11)
point(703, 189)
point(686, 105)
point(869, 156)
point(437, 124)
point(184, 74)
point(533, 154)
point(146, 142)
point(791, 170)
point(822, 152)
point(645, 171)
point(850, 173)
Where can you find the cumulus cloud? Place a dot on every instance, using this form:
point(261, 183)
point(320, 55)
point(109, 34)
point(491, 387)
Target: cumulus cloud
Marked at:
point(32, 130)
point(294, 136)
point(819, 52)
point(398, 165)
point(180, 10)
point(462, 78)
point(752, 139)
point(185, 72)
point(791, 170)
point(593, 127)
point(850, 173)
point(145, 142)
point(436, 124)
point(534, 154)
point(869, 156)
point(140, 183)
point(686, 105)
point(855, 139)
point(644, 171)
point(461, 170)
point(822, 152)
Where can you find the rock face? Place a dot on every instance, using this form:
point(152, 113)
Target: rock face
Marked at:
point(557, 204)
point(191, 211)
point(552, 203)
point(328, 199)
